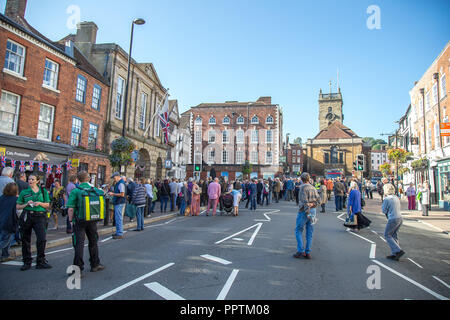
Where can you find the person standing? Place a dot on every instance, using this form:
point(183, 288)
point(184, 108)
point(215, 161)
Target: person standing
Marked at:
point(57, 200)
point(354, 207)
point(204, 195)
point(8, 219)
point(81, 229)
point(411, 194)
point(265, 193)
point(139, 199)
point(69, 188)
point(259, 191)
point(173, 186)
point(391, 207)
point(165, 194)
point(183, 198)
point(323, 193)
point(214, 191)
point(425, 198)
point(329, 185)
point(35, 202)
point(195, 203)
point(6, 177)
point(338, 189)
point(253, 195)
point(149, 191)
point(277, 189)
point(309, 199)
point(22, 182)
point(270, 183)
point(119, 202)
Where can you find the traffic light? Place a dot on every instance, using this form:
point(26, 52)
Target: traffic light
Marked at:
point(360, 162)
point(198, 168)
point(354, 166)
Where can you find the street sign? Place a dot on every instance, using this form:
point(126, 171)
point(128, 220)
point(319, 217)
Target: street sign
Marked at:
point(75, 163)
point(445, 129)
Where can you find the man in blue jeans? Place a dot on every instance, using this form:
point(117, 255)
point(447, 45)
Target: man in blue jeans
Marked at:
point(338, 189)
point(119, 201)
point(309, 199)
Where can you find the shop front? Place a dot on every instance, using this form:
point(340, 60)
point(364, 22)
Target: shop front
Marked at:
point(443, 175)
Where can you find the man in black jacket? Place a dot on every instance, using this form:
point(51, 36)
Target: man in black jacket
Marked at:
point(259, 189)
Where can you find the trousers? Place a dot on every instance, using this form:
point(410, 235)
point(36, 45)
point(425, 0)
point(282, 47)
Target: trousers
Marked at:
point(28, 222)
point(80, 231)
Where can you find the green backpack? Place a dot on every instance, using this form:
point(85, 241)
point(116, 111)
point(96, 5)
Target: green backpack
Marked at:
point(91, 205)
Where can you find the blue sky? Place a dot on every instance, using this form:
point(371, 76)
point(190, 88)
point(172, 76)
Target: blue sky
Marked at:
point(215, 50)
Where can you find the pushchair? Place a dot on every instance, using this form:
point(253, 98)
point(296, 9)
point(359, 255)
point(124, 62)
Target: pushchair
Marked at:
point(227, 201)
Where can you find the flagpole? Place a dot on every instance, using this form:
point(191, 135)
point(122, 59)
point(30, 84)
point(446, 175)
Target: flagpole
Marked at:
point(156, 112)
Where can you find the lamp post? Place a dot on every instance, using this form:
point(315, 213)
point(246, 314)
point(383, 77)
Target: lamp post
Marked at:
point(138, 22)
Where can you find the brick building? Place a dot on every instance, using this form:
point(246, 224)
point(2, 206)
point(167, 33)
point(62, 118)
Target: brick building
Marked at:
point(295, 158)
point(45, 86)
point(225, 135)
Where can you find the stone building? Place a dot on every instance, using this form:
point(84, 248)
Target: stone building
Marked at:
point(53, 103)
point(145, 94)
point(333, 150)
point(225, 135)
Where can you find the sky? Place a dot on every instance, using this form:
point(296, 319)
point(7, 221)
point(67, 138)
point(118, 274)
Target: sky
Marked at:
point(240, 50)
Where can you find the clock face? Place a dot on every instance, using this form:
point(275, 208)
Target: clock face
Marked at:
point(330, 116)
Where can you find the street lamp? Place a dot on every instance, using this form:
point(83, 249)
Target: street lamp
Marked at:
point(138, 22)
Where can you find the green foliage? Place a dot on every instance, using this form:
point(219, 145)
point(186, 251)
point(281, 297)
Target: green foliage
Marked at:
point(247, 168)
point(398, 154)
point(385, 168)
point(420, 164)
point(121, 150)
point(375, 142)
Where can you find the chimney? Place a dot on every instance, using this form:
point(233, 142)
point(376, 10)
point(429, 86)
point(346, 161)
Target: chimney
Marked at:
point(86, 36)
point(265, 100)
point(15, 9)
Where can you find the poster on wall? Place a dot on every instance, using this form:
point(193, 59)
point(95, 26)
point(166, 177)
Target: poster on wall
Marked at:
point(239, 176)
point(254, 175)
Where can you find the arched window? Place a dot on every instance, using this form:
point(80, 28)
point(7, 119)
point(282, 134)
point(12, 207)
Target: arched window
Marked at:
point(198, 120)
point(212, 120)
point(269, 120)
point(240, 120)
point(226, 120)
point(255, 120)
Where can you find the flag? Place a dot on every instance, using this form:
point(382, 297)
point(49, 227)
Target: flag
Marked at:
point(41, 166)
point(49, 168)
point(22, 166)
point(13, 164)
point(58, 169)
point(164, 119)
point(69, 165)
point(3, 160)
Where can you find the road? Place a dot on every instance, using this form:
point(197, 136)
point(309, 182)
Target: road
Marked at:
point(247, 258)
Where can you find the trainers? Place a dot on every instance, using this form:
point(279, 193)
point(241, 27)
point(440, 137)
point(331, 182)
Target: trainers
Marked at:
point(299, 255)
point(97, 268)
point(117, 237)
point(307, 256)
point(399, 255)
point(392, 257)
point(44, 265)
point(25, 267)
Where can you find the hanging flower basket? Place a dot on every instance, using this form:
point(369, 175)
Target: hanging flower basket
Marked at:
point(420, 164)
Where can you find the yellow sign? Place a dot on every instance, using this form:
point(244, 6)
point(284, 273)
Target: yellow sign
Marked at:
point(75, 163)
point(2, 152)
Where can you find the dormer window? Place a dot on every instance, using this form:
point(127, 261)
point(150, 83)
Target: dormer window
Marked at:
point(255, 120)
point(212, 120)
point(269, 120)
point(240, 120)
point(198, 120)
point(226, 120)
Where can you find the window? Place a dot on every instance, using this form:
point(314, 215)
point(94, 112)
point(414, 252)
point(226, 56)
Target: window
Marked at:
point(240, 120)
point(45, 126)
point(240, 136)
point(334, 155)
point(239, 157)
point(435, 94)
point(77, 125)
point(254, 157)
point(299, 152)
point(9, 112)
point(225, 156)
point(212, 155)
point(254, 136)
point(96, 97)
point(436, 135)
point(443, 86)
point(83, 167)
point(225, 137)
point(429, 137)
point(119, 98)
point(269, 136)
point(198, 136)
point(327, 157)
point(211, 136)
point(143, 110)
point(226, 120)
point(427, 100)
point(341, 157)
point(212, 120)
point(101, 175)
point(198, 120)
point(269, 158)
point(298, 160)
point(269, 120)
point(293, 159)
point(81, 89)
point(421, 106)
point(15, 57)
point(255, 120)
point(51, 70)
point(92, 140)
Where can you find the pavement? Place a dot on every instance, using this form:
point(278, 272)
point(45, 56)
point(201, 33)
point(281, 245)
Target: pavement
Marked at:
point(437, 218)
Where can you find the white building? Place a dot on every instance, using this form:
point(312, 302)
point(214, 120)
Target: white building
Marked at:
point(378, 157)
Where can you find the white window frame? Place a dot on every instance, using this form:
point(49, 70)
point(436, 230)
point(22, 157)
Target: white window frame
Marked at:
point(269, 159)
point(239, 134)
point(21, 58)
point(225, 156)
point(72, 132)
point(435, 93)
point(252, 157)
point(78, 88)
point(212, 120)
point(255, 121)
point(267, 120)
point(51, 123)
point(143, 110)
point(254, 136)
point(197, 136)
point(240, 120)
point(239, 157)
point(211, 133)
point(16, 115)
point(211, 157)
point(269, 133)
point(96, 97)
point(198, 121)
point(226, 120)
point(53, 83)
point(427, 101)
point(91, 125)
point(118, 112)
point(225, 136)
point(443, 86)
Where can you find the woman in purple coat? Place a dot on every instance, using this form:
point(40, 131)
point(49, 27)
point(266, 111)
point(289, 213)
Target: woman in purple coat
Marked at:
point(354, 207)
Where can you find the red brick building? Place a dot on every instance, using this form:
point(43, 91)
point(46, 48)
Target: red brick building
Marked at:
point(295, 158)
point(53, 102)
point(225, 135)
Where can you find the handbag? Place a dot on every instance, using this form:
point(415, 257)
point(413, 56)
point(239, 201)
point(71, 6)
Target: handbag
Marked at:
point(349, 222)
point(187, 212)
point(130, 210)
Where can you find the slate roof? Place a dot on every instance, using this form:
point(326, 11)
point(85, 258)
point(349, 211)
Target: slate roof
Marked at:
point(336, 131)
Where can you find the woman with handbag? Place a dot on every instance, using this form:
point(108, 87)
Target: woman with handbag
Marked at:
point(57, 201)
point(354, 209)
point(195, 204)
point(35, 202)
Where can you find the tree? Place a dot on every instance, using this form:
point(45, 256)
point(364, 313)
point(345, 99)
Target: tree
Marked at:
point(247, 168)
point(298, 140)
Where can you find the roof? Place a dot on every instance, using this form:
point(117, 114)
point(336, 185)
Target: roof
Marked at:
point(84, 64)
point(336, 131)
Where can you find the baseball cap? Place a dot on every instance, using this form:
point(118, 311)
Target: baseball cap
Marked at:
point(115, 174)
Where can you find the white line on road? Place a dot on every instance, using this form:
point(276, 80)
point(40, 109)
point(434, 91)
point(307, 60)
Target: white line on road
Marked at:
point(126, 285)
point(339, 216)
point(415, 263)
point(250, 242)
point(430, 225)
point(441, 282)
point(163, 291)
point(104, 240)
point(170, 221)
point(238, 239)
point(216, 259)
point(16, 263)
point(228, 285)
point(411, 281)
point(370, 241)
point(373, 248)
point(220, 241)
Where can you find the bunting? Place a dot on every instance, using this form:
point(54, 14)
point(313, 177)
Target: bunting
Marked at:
point(3, 161)
point(58, 169)
point(13, 164)
point(49, 168)
point(41, 166)
point(22, 166)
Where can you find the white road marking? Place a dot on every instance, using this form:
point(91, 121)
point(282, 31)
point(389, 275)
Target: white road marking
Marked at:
point(267, 217)
point(163, 291)
point(370, 241)
point(383, 239)
point(228, 285)
point(430, 225)
point(415, 263)
point(250, 242)
point(126, 285)
point(238, 239)
point(442, 282)
point(339, 216)
point(438, 296)
point(216, 259)
point(373, 248)
point(16, 263)
point(170, 221)
point(104, 240)
point(229, 237)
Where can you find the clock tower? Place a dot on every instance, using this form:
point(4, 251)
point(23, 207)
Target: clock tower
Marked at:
point(330, 108)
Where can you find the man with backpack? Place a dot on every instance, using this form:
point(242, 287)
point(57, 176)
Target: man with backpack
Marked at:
point(86, 207)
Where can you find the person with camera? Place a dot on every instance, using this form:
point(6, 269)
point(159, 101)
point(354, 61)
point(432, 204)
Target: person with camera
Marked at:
point(35, 202)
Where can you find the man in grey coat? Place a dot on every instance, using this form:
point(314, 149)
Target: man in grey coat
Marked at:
point(392, 209)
